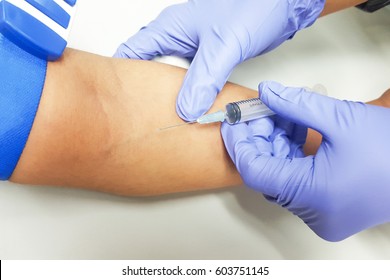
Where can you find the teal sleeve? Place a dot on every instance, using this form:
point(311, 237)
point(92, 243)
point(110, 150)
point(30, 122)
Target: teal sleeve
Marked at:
point(22, 78)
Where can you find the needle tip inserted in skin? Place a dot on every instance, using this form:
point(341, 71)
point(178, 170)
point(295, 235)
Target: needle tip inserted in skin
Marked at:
point(176, 125)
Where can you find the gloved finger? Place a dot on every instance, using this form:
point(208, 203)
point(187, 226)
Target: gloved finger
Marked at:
point(270, 175)
point(206, 76)
point(302, 107)
point(233, 134)
point(294, 135)
point(298, 139)
point(261, 130)
point(242, 135)
point(163, 36)
point(281, 137)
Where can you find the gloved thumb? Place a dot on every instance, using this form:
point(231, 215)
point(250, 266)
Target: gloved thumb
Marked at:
point(145, 44)
point(205, 78)
point(301, 106)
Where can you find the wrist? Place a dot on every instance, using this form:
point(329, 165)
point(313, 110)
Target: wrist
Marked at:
point(332, 6)
point(383, 100)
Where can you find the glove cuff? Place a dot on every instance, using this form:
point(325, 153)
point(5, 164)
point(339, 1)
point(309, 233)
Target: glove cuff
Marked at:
point(304, 13)
point(307, 12)
point(22, 77)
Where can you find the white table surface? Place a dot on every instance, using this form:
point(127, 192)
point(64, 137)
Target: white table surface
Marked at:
point(348, 52)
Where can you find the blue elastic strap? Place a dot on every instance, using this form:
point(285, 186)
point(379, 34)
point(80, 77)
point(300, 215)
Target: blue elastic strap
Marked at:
point(22, 77)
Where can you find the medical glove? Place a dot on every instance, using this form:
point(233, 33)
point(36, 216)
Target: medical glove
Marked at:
point(217, 35)
point(345, 187)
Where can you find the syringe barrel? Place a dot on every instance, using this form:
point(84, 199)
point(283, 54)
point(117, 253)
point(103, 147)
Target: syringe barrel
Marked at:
point(246, 110)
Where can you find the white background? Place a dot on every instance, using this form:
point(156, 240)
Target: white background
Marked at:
point(348, 52)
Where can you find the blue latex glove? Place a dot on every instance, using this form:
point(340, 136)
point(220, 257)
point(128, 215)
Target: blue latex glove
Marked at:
point(345, 187)
point(217, 35)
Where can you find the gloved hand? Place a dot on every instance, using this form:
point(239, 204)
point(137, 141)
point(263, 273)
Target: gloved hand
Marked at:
point(217, 35)
point(340, 191)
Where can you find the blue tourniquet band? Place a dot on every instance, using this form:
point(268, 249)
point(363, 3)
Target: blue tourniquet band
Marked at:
point(22, 77)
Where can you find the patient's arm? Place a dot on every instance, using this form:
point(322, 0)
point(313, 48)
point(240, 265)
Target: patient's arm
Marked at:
point(97, 127)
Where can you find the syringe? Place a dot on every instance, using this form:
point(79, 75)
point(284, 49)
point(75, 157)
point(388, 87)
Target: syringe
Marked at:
point(238, 112)
point(242, 111)
point(246, 110)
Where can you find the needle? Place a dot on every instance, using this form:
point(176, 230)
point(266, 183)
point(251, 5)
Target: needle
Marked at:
point(176, 125)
